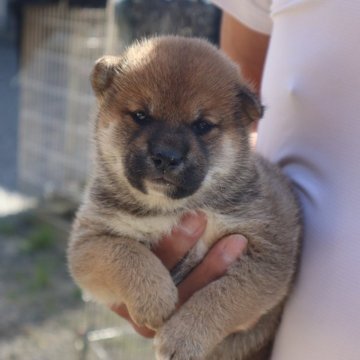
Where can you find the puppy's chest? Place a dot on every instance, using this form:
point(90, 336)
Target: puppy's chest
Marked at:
point(149, 230)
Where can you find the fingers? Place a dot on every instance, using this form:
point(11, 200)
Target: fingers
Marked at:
point(183, 237)
point(122, 311)
point(213, 266)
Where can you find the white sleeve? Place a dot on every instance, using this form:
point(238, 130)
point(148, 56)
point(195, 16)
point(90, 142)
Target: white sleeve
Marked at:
point(255, 14)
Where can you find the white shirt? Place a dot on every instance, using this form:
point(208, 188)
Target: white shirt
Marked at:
point(311, 128)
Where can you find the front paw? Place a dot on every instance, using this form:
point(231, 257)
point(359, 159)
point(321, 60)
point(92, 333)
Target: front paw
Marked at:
point(177, 341)
point(152, 311)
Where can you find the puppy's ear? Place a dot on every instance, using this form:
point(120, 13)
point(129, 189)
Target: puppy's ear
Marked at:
point(250, 105)
point(103, 74)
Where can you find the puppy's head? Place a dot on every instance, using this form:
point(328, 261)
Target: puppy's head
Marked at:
point(173, 116)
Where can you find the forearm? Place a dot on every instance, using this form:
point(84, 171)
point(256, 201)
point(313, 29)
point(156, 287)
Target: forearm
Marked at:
point(246, 47)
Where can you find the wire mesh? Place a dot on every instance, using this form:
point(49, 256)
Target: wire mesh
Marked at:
point(108, 337)
point(60, 45)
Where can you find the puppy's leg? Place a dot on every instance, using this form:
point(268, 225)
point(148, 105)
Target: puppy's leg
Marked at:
point(115, 270)
point(253, 286)
point(254, 344)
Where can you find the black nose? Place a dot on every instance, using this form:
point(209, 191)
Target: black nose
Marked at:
point(167, 159)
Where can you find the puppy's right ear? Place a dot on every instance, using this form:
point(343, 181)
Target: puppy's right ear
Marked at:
point(103, 74)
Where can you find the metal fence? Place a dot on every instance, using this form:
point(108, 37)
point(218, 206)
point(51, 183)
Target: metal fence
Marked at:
point(108, 337)
point(59, 47)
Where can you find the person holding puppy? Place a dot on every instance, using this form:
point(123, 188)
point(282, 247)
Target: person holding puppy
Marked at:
point(310, 87)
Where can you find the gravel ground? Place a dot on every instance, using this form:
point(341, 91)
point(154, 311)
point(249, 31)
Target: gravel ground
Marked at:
point(42, 315)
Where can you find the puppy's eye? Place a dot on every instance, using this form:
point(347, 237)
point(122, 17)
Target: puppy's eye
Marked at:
point(201, 127)
point(141, 118)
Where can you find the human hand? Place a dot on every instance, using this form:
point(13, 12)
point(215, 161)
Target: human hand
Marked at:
point(171, 250)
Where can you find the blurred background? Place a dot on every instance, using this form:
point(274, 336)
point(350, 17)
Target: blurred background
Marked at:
point(47, 50)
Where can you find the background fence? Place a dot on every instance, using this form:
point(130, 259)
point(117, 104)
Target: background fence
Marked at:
point(59, 47)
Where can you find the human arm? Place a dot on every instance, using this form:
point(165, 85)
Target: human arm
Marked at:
point(245, 46)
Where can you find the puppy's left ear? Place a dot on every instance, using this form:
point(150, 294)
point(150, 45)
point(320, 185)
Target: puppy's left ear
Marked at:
point(250, 105)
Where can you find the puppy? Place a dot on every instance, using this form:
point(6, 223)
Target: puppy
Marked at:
point(172, 136)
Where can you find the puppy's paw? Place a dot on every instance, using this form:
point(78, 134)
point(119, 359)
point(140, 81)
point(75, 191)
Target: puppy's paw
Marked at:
point(152, 310)
point(179, 343)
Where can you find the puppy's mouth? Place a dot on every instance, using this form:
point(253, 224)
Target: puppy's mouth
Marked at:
point(163, 184)
point(163, 180)
point(168, 186)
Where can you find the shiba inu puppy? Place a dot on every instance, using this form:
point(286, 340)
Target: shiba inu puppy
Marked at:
point(172, 136)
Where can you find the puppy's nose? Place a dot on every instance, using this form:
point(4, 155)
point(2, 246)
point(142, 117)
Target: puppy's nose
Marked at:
point(167, 159)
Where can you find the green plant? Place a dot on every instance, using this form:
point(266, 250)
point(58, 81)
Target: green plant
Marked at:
point(42, 238)
point(41, 277)
point(7, 227)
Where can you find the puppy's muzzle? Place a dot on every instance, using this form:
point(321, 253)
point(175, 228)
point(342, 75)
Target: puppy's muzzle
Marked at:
point(166, 159)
